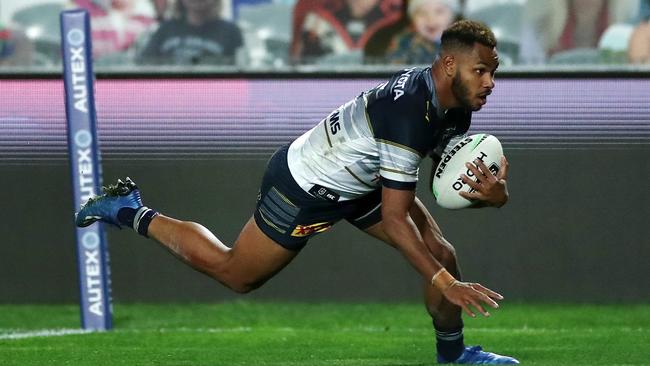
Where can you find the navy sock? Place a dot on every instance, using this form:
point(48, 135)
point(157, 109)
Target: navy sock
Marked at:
point(450, 343)
point(138, 219)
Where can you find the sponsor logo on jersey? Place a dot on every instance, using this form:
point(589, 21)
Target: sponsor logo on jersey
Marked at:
point(306, 230)
point(398, 89)
point(324, 193)
point(335, 125)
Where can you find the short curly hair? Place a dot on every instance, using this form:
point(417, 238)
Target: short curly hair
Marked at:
point(464, 33)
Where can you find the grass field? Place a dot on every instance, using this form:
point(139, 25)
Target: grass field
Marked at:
point(245, 333)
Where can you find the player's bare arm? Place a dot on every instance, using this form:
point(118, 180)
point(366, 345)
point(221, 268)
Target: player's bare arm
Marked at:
point(402, 231)
point(489, 189)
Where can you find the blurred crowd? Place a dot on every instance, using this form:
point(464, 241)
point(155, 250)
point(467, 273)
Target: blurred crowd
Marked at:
point(275, 33)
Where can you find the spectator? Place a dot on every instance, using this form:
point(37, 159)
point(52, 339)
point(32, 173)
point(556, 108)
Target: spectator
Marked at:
point(116, 25)
point(15, 48)
point(375, 50)
point(553, 26)
point(639, 47)
point(196, 35)
point(325, 27)
point(419, 44)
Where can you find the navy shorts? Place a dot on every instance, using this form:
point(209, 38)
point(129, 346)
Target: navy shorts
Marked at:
point(290, 216)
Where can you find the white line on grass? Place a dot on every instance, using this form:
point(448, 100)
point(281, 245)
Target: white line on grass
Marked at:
point(42, 333)
point(16, 334)
point(202, 330)
point(364, 329)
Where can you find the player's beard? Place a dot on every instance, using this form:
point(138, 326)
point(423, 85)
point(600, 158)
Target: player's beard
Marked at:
point(462, 94)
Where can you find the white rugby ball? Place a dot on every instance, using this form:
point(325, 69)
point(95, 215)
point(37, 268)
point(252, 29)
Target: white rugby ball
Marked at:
point(447, 182)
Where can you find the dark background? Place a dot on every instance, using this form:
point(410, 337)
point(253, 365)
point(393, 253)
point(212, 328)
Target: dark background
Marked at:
point(575, 229)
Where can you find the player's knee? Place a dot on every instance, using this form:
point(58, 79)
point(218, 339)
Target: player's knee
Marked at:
point(242, 287)
point(235, 281)
point(232, 283)
point(448, 254)
point(445, 253)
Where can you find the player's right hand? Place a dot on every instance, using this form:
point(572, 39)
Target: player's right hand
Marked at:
point(490, 189)
point(468, 295)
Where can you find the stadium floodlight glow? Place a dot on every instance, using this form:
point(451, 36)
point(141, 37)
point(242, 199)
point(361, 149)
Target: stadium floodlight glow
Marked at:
point(85, 166)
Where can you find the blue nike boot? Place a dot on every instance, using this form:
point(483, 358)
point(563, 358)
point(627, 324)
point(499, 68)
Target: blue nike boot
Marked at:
point(476, 356)
point(105, 207)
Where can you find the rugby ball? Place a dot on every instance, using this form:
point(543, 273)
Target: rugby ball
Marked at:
point(447, 182)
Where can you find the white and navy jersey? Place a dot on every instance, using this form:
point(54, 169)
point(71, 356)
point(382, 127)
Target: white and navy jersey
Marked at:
point(378, 138)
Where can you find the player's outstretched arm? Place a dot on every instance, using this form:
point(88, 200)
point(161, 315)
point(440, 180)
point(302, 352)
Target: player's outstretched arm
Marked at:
point(400, 228)
point(489, 190)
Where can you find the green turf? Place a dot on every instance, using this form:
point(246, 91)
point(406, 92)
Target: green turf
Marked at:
point(244, 333)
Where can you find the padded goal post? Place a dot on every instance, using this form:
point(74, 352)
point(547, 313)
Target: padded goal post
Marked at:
point(85, 166)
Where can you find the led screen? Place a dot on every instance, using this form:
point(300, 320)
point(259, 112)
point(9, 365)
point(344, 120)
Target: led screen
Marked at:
point(155, 119)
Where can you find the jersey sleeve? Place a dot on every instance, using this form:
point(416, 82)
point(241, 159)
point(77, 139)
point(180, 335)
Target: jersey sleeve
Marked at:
point(398, 165)
point(403, 132)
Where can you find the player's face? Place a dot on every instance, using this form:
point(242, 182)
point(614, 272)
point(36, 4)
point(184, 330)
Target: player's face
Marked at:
point(474, 79)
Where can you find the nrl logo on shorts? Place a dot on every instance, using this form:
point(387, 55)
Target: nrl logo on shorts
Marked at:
point(305, 230)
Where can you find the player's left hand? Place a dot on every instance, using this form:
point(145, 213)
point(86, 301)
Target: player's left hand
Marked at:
point(489, 189)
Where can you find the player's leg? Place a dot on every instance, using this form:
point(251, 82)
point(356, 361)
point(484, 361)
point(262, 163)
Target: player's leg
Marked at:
point(264, 246)
point(445, 314)
point(447, 319)
point(253, 259)
point(285, 218)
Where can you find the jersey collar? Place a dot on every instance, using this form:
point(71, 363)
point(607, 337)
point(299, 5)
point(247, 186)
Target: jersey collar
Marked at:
point(434, 98)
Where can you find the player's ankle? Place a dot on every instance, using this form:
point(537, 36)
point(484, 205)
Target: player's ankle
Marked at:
point(450, 343)
point(138, 219)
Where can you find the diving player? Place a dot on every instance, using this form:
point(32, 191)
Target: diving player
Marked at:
point(360, 163)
